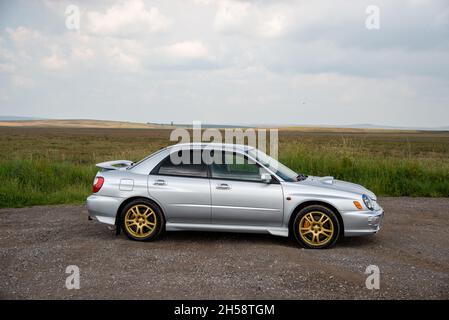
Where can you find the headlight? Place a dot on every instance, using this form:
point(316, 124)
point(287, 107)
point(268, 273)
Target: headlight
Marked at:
point(368, 202)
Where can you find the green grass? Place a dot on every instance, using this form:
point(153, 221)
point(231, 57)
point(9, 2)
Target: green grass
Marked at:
point(386, 177)
point(34, 182)
point(389, 165)
point(57, 166)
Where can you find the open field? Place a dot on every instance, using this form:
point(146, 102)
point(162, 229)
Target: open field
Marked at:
point(76, 123)
point(41, 166)
point(38, 243)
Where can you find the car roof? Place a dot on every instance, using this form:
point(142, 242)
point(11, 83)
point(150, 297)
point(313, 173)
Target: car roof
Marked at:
point(214, 145)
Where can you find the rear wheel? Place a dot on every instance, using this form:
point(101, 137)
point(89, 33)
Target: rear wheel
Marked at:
point(141, 220)
point(316, 227)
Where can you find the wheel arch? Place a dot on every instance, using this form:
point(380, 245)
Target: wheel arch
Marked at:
point(124, 203)
point(304, 204)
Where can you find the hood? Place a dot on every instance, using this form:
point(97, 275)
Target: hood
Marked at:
point(330, 182)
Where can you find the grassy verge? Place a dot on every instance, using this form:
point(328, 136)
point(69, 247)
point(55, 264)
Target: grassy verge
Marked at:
point(55, 166)
point(385, 177)
point(37, 182)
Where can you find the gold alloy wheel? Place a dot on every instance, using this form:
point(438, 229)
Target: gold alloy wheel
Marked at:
point(140, 221)
point(316, 228)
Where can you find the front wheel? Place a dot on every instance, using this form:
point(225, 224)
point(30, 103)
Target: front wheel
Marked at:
point(141, 220)
point(316, 227)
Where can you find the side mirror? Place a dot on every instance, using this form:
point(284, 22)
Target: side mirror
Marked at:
point(265, 177)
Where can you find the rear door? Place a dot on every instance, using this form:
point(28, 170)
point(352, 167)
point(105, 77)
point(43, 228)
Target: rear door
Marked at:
point(239, 197)
point(182, 189)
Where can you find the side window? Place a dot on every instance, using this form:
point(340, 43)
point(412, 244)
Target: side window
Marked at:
point(236, 167)
point(184, 169)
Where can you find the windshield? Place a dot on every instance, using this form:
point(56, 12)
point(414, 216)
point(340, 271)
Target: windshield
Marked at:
point(278, 168)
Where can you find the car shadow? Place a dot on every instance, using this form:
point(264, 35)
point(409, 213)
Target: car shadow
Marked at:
point(354, 242)
point(199, 237)
point(230, 237)
point(226, 237)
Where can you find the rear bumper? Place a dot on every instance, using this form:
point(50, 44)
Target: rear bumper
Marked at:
point(359, 223)
point(103, 209)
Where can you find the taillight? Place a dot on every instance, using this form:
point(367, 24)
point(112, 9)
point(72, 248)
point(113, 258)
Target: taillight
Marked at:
point(98, 183)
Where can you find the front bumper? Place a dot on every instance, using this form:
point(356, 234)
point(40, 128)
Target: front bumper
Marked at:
point(103, 209)
point(359, 223)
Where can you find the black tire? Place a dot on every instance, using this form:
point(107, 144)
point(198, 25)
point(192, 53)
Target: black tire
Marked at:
point(151, 226)
point(316, 234)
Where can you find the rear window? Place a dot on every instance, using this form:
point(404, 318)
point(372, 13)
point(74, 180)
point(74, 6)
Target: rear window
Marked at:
point(168, 168)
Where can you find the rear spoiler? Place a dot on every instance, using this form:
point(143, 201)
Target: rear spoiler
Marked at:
point(114, 165)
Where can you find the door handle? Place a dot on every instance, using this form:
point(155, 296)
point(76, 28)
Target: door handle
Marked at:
point(223, 186)
point(159, 182)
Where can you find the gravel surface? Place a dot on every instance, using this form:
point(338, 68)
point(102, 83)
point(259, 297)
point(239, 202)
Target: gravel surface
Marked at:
point(38, 243)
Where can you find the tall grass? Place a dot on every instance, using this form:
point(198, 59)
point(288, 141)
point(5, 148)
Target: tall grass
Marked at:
point(54, 166)
point(387, 165)
point(387, 177)
point(39, 182)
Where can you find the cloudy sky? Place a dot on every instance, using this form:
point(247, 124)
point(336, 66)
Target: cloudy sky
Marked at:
point(265, 61)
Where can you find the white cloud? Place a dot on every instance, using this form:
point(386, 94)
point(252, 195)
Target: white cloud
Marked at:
point(251, 19)
point(127, 18)
point(6, 68)
point(231, 16)
point(54, 62)
point(22, 36)
point(6, 57)
point(123, 60)
point(83, 53)
point(22, 81)
point(26, 43)
point(203, 2)
point(238, 56)
point(188, 50)
point(70, 51)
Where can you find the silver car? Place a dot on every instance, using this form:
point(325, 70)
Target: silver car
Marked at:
point(235, 188)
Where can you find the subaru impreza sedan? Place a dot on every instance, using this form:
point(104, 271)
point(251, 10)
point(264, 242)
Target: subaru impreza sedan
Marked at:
point(229, 188)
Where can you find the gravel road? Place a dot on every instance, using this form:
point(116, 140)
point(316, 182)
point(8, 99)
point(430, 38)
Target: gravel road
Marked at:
point(38, 243)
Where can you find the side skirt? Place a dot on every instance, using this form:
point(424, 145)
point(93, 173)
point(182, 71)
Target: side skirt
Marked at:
point(276, 231)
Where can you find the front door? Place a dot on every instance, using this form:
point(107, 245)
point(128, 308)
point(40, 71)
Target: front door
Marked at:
point(240, 197)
